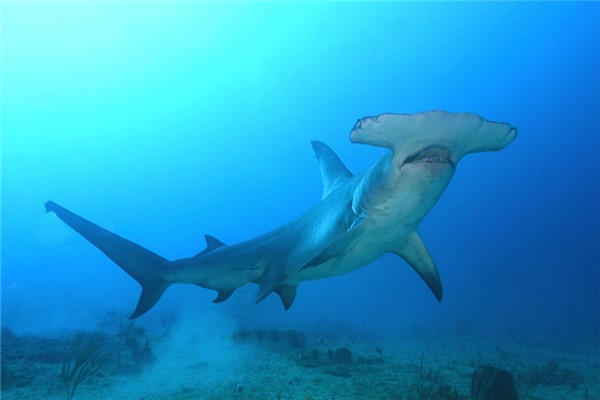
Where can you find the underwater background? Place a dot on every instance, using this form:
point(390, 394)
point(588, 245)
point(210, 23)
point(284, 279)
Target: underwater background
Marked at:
point(163, 121)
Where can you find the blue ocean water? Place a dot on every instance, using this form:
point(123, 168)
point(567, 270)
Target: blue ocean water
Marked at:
point(164, 121)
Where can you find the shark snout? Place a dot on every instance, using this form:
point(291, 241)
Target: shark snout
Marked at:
point(408, 134)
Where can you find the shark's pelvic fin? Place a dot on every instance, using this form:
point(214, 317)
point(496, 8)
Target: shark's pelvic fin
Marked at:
point(333, 171)
point(267, 283)
point(212, 243)
point(141, 264)
point(414, 252)
point(287, 294)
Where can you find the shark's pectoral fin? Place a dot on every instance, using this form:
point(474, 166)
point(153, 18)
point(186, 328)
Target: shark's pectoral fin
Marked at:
point(414, 252)
point(333, 171)
point(339, 247)
point(287, 294)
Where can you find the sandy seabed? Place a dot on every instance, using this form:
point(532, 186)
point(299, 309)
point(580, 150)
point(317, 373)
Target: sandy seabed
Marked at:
point(270, 364)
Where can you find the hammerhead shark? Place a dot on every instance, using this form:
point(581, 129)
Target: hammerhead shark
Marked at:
point(359, 218)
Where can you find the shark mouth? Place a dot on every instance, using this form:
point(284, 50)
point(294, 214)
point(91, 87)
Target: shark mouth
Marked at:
point(431, 155)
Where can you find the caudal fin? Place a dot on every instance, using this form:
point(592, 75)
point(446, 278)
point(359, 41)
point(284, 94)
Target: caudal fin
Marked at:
point(143, 265)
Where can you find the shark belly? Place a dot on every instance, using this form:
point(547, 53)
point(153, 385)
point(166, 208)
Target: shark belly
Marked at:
point(389, 218)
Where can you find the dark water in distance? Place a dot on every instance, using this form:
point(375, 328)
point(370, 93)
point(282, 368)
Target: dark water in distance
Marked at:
point(165, 121)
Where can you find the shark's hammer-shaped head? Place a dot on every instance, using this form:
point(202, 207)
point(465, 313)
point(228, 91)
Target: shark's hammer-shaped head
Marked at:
point(433, 135)
point(425, 150)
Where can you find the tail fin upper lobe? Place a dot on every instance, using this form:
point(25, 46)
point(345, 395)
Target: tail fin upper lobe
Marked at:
point(143, 265)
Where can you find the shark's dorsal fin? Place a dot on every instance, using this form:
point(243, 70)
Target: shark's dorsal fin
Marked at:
point(333, 171)
point(414, 252)
point(212, 243)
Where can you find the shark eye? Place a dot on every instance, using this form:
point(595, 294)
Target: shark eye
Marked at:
point(372, 120)
point(360, 123)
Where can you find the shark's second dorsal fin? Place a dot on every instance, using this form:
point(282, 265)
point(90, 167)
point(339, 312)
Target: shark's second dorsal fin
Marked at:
point(414, 252)
point(333, 171)
point(212, 243)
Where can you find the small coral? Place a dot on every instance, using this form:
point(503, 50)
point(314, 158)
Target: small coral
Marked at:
point(343, 355)
point(85, 358)
point(553, 374)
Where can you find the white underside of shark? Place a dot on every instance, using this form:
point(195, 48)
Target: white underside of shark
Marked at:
point(359, 218)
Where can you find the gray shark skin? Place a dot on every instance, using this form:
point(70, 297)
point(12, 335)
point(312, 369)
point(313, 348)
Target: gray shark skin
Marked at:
point(358, 219)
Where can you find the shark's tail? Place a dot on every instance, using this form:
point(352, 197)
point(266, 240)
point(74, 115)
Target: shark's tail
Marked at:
point(144, 266)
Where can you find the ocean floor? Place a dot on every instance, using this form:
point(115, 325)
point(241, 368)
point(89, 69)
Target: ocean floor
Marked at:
point(196, 363)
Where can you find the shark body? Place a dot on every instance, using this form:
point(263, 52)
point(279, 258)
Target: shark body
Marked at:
point(359, 218)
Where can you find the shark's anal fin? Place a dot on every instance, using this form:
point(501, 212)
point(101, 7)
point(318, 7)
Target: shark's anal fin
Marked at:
point(333, 171)
point(223, 294)
point(414, 252)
